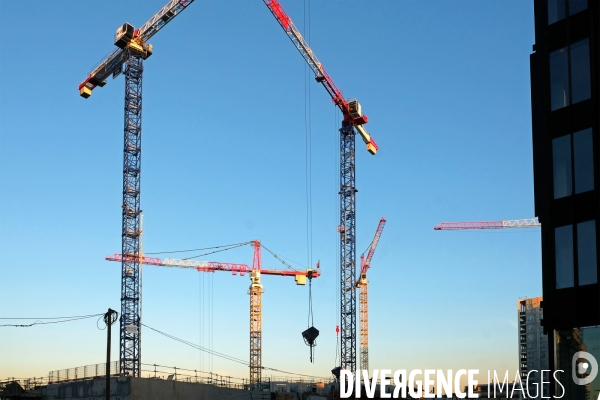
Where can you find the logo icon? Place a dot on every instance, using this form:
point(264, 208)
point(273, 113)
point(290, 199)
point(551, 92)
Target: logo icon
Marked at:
point(582, 360)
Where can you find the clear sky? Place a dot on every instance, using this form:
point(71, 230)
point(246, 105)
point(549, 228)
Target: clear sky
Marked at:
point(446, 87)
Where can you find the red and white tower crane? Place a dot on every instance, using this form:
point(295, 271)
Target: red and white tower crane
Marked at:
point(132, 49)
point(353, 120)
point(501, 224)
point(255, 291)
point(363, 284)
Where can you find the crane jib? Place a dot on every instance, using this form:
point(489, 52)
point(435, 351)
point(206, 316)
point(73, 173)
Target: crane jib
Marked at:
point(321, 76)
point(113, 63)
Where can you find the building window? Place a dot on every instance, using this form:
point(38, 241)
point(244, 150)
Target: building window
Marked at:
point(561, 160)
point(570, 75)
point(563, 243)
point(583, 160)
point(559, 79)
point(573, 163)
point(567, 343)
point(576, 6)
point(585, 236)
point(586, 252)
point(580, 71)
point(558, 9)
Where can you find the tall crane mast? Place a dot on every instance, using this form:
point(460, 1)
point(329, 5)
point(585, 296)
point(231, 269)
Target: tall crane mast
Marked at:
point(255, 291)
point(132, 49)
point(353, 120)
point(363, 284)
point(513, 223)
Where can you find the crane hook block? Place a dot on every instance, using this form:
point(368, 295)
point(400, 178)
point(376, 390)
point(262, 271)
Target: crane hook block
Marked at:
point(310, 337)
point(336, 373)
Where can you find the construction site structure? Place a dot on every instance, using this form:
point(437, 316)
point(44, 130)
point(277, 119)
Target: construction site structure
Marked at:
point(363, 284)
point(132, 49)
point(255, 291)
point(513, 223)
point(353, 120)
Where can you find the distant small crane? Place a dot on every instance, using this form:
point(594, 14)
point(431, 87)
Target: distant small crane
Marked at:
point(132, 49)
point(255, 291)
point(363, 284)
point(512, 223)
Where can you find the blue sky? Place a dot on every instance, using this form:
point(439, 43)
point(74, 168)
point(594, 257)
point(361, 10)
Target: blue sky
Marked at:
point(446, 87)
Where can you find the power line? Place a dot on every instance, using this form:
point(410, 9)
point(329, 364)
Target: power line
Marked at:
point(49, 322)
point(73, 316)
point(225, 356)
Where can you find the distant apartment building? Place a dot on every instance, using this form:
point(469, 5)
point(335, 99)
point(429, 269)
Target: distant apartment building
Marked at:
point(533, 347)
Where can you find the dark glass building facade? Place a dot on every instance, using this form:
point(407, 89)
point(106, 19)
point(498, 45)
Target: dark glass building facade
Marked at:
point(565, 96)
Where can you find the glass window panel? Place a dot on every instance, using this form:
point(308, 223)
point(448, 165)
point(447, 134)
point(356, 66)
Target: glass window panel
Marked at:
point(556, 10)
point(583, 157)
point(586, 253)
point(559, 79)
point(576, 6)
point(563, 244)
point(561, 161)
point(580, 71)
point(568, 342)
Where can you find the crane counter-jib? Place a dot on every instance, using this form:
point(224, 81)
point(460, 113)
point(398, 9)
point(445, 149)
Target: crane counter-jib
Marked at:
point(103, 69)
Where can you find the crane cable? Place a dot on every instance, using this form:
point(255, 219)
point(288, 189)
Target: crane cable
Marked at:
point(277, 257)
point(204, 248)
point(310, 311)
point(216, 251)
point(200, 315)
point(337, 345)
point(212, 325)
point(308, 143)
point(308, 132)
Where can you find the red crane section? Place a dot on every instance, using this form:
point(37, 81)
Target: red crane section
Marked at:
point(366, 262)
point(212, 266)
point(350, 109)
point(514, 223)
point(321, 75)
point(255, 291)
